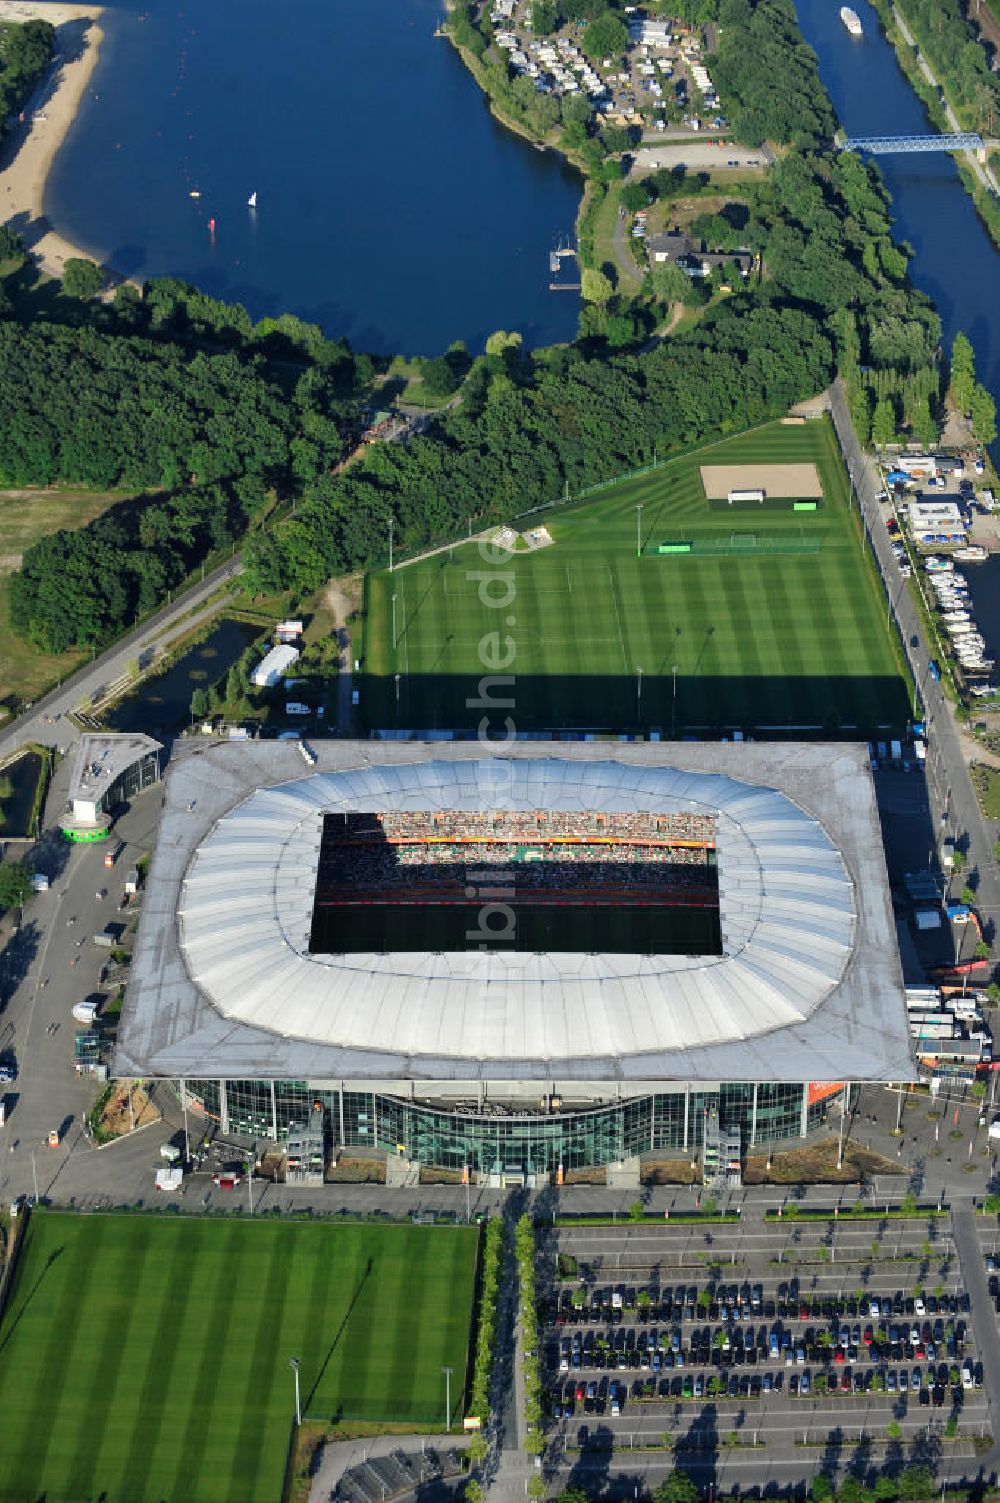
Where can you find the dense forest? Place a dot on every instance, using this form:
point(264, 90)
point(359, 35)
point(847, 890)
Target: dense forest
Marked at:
point(210, 414)
point(25, 53)
point(767, 76)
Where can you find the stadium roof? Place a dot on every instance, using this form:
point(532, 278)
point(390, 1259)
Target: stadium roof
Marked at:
point(808, 985)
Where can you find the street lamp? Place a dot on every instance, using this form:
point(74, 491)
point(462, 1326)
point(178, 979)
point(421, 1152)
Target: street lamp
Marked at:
point(392, 524)
point(394, 621)
point(638, 692)
point(447, 1396)
point(397, 695)
point(673, 711)
point(638, 530)
point(295, 1363)
point(34, 1176)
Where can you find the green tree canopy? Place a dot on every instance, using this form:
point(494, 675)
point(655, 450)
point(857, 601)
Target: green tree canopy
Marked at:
point(544, 17)
point(15, 884)
point(82, 278)
point(983, 411)
point(607, 36)
point(963, 372)
point(595, 286)
point(677, 1488)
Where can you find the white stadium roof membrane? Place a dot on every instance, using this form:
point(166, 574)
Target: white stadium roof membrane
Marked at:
point(808, 985)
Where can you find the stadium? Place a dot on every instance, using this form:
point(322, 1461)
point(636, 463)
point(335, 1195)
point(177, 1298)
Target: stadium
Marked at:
point(561, 956)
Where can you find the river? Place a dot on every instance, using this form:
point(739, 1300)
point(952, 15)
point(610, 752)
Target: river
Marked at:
point(954, 259)
point(392, 208)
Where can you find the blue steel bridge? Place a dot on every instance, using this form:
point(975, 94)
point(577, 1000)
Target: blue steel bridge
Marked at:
point(883, 145)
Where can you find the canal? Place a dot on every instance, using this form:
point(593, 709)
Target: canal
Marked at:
point(954, 259)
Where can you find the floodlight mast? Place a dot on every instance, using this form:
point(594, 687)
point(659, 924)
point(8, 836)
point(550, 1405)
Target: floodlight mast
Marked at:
point(295, 1363)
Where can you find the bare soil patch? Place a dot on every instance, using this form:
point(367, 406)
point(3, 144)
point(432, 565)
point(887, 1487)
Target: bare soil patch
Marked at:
point(817, 1165)
point(799, 480)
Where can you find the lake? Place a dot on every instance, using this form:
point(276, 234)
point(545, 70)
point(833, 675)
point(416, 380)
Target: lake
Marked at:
point(392, 208)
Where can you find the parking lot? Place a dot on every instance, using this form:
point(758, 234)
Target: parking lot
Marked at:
point(771, 1337)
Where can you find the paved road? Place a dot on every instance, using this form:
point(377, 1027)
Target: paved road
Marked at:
point(623, 254)
point(953, 800)
point(39, 723)
point(981, 171)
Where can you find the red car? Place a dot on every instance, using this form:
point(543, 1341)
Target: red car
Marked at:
point(580, 1393)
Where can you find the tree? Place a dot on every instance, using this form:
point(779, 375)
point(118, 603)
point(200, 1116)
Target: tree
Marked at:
point(11, 246)
point(596, 287)
point(634, 196)
point(670, 283)
point(922, 424)
point(983, 411)
point(635, 1211)
point(605, 37)
point(15, 884)
point(536, 1486)
point(500, 341)
point(438, 376)
point(82, 278)
point(199, 704)
point(963, 372)
point(883, 422)
point(908, 1204)
point(677, 1488)
point(544, 17)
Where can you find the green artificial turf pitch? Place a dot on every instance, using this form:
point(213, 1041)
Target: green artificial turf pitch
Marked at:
point(788, 641)
point(145, 1360)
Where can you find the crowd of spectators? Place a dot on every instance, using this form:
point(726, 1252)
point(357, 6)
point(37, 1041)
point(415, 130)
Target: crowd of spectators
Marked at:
point(450, 857)
point(525, 824)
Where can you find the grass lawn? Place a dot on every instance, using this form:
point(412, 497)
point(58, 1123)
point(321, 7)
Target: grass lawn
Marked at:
point(780, 641)
point(144, 1360)
point(26, 516)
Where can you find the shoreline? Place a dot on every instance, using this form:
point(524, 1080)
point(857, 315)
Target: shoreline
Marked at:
point(30, 149)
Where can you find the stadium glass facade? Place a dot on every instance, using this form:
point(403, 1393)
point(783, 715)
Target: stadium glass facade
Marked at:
point(501, 1139)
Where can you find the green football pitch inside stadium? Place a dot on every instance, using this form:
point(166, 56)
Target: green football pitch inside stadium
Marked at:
point(145, 1360)
point(774, 621)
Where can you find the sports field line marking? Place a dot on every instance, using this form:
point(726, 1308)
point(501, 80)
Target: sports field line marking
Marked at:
point(618, 614)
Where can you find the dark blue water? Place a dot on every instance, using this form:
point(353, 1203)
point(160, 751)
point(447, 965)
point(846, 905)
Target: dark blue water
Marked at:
point(954, 260)
point(391, 206)
point(162, 704)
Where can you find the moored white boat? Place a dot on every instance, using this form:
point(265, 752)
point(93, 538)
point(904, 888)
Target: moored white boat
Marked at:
point(851, 20)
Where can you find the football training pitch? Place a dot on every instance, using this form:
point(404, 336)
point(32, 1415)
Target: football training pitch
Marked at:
point(145, 1360)
point(775, 619)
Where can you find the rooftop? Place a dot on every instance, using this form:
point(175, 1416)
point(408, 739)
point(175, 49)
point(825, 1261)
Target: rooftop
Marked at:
point(102, 759)
point(808, 985)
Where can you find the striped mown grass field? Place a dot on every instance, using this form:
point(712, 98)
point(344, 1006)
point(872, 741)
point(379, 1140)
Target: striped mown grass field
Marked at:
point(145, 1360)
point(775, 620)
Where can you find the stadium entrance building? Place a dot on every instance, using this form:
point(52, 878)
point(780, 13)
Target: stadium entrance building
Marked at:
point(536, 962)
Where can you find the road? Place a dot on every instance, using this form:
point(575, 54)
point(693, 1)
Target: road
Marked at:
point(981, 171)
point(623, 255)
point(40, 724)
point(953, 801)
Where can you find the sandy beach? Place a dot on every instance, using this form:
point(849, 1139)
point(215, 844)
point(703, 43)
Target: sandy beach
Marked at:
point(30, 148)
